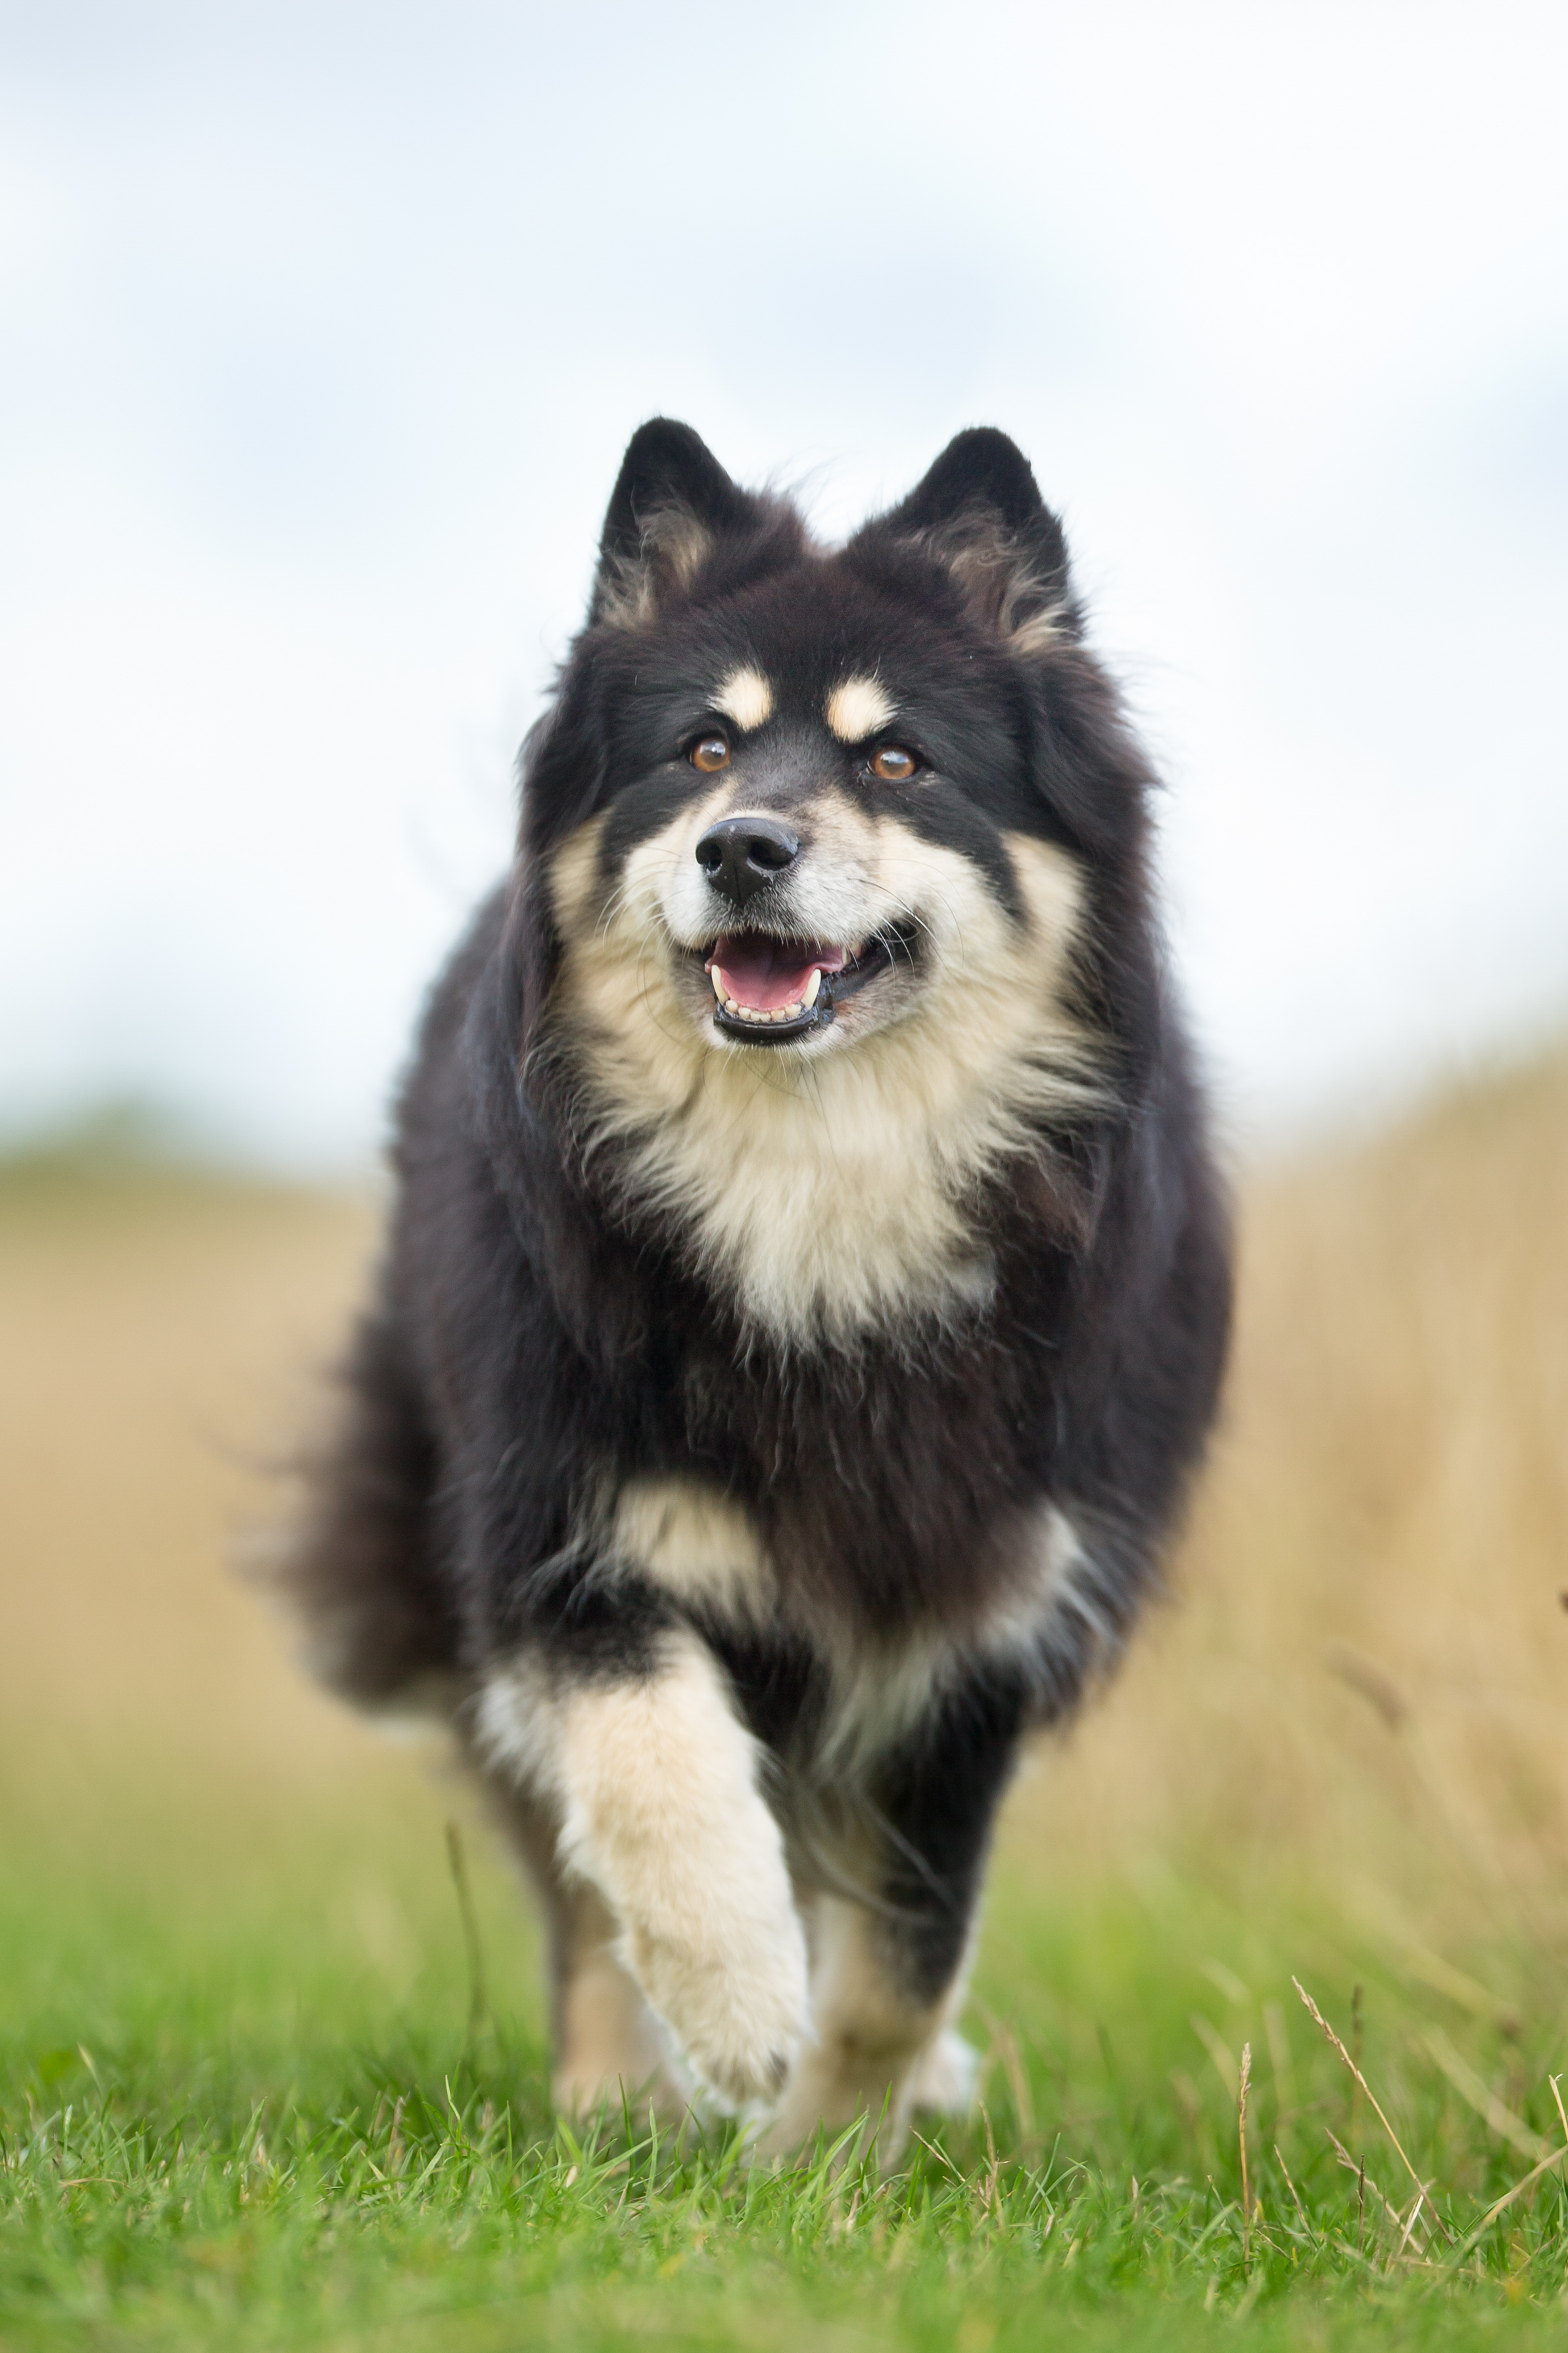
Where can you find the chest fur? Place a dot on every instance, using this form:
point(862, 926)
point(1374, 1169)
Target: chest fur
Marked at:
point(828, 1196)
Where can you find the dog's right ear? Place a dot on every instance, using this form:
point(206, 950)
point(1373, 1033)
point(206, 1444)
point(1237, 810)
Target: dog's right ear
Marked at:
point(671, 501)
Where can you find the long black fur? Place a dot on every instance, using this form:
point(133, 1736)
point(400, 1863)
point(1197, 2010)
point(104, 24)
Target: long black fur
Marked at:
point(533, 1323)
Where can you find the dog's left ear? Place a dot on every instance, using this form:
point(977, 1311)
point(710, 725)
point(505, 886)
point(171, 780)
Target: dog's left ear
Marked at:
point(671, 501)
point(979, 512)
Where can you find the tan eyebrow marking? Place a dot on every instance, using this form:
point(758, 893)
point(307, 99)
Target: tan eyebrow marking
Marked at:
point(746, 697)
point(856, 708)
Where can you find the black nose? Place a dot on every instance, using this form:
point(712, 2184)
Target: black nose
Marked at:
point(743, 854)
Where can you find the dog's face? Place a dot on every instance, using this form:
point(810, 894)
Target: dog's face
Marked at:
point(798, 847)
point(807, 833)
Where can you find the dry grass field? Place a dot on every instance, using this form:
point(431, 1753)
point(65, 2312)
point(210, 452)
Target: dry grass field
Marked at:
point(1346, 1728)
point(1364, 1666)
point(1367, 1669)
point(163, 1335)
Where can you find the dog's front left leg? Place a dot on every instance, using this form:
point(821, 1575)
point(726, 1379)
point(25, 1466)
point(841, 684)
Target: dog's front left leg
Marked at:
point(884, 2044)
point(657, 1788)
point(890, 1967)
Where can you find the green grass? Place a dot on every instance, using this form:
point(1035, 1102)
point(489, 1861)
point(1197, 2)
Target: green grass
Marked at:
point(241, 2106)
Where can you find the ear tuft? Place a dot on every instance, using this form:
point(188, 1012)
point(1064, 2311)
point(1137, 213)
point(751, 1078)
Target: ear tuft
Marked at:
point(979, 514)
point(671, 501)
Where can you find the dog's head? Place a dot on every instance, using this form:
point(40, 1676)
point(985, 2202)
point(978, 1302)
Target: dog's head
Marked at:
point(850, 830)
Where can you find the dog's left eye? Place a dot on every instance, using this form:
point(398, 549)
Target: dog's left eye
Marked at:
point(892, 763)
point(709, 753)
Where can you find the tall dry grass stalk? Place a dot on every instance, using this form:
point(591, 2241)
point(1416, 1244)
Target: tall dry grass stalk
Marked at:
point(1422, 2188)
point(1244, 2084)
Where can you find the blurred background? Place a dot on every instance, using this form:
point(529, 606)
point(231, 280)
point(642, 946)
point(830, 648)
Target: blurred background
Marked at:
point(321, 331)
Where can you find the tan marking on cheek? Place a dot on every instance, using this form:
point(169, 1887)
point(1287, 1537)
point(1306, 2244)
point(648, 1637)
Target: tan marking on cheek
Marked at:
point(663, 887)
point(1052, 885)
point(856, 708)
point(574, 877)
point(746, 697)
point(841, 868)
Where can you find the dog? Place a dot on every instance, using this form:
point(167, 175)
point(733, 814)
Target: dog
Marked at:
point(806, 1295)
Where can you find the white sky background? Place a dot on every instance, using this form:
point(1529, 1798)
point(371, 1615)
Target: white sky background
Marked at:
point(321, 330)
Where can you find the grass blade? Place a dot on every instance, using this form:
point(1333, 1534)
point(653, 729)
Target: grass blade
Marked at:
point(1320, 2020)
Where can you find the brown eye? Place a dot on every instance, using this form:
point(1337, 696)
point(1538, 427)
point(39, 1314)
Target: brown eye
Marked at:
point(892, 764)
point(709, 753)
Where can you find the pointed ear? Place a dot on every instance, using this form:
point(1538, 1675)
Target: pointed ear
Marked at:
point(671, 501)
point(979, 514)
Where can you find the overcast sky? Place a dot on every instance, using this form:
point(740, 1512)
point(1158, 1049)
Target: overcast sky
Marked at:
point(322, 328)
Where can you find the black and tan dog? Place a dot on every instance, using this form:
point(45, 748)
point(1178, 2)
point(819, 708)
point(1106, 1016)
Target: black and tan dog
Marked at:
point(808, 1284)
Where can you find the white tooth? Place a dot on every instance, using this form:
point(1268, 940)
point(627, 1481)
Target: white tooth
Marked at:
point(809, 994)
point(792, 1012)
point(718, 985)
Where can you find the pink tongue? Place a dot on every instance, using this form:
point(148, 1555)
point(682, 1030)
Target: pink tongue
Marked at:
point(765, 973)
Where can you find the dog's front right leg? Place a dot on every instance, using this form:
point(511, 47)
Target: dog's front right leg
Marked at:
point(655, 1784)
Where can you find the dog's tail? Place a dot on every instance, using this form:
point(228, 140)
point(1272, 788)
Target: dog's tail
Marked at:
point(357, 1571)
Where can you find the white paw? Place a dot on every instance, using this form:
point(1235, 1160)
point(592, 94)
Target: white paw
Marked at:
point(737, 2003)
point(664, 1815)
point(945, 2077)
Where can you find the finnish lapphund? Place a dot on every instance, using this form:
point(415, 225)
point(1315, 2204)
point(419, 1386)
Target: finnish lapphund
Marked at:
point(808, 1289)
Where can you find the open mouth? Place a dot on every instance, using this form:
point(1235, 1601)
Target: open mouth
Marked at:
point(769, 991)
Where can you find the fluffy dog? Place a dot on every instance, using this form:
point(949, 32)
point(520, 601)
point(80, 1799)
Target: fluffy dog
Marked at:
point(808, 1289)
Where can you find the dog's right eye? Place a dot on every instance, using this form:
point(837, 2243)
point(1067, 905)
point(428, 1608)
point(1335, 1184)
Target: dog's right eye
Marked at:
point(709, 753)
